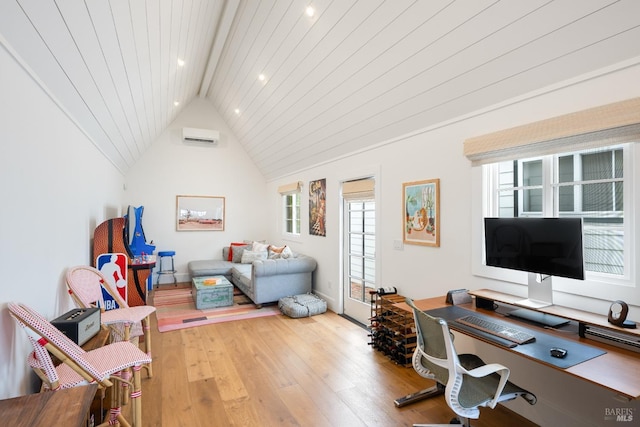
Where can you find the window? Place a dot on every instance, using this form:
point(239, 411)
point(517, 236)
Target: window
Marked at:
point(291, 213)
point(578, 164)
point(587, 184)
point(593, 184)
point(291, 207)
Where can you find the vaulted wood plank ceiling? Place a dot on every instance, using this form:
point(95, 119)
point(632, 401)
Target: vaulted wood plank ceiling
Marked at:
point(299, 86)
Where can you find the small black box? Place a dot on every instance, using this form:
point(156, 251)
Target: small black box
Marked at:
point(487, 304)
point(79, 324)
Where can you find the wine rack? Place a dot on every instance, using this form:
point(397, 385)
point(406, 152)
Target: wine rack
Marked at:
point(392, 329)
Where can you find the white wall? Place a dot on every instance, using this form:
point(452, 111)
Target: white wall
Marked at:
point(55, 187)
point(170, 168)
point(421, 272)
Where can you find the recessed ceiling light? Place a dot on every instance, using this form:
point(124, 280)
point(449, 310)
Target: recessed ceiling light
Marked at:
point(180, 62)
point(176, 103)
point(237, 111)
point(261, 77)
point(310, 11)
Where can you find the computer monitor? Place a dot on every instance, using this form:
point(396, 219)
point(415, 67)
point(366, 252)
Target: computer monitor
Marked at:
point(543, 247)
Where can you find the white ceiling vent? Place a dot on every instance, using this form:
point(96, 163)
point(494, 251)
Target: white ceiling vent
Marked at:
point(202, 136)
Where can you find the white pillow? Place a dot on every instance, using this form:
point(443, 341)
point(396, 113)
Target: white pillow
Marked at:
point(260, 247)
point(249, 256)
point(275, 251)
point(286, 253)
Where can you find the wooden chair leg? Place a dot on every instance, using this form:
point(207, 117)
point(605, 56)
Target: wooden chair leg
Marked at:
point(146, 326)
point(136, 397)
point(115, 417)
point(126, 375)
point(126, 387)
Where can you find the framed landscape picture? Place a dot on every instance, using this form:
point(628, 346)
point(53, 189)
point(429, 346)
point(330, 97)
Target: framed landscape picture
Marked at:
point(421, 212)
point(199, 213)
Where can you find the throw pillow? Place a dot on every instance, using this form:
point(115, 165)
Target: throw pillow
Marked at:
point(286, 253)
point(231, 246)
point(260, 247)
point(249, 256)
point(275, 251)
point(237, 253)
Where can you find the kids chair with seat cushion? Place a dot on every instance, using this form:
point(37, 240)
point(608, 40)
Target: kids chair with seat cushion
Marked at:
point(102, 365)
point(86, 286)
point(465, 380)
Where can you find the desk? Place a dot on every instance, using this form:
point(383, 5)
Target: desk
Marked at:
point(63, 407)
point(617, 370)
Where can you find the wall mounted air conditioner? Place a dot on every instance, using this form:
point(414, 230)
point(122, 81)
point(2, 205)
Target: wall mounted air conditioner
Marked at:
point(202, 136)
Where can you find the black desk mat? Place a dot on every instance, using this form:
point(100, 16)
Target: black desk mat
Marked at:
point(539, 349)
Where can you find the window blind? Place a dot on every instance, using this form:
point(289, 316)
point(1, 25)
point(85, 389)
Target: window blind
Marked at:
point(595, 127)
point(359, 189)
point(294, 187)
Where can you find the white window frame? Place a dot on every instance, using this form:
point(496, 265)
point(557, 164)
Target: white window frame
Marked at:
point(601, 286)
point(297, 195)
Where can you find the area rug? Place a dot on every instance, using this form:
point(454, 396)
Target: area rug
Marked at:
point(175, 310)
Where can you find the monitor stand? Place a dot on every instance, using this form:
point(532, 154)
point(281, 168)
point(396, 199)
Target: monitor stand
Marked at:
point(540, 292)
point(538, 317)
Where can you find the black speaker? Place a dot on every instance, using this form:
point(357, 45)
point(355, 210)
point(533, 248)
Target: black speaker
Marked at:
point(618, 315)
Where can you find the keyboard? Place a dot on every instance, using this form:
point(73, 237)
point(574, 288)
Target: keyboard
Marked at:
point(498, 329)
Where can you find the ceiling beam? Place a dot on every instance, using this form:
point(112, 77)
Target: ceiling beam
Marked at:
point(228, 13)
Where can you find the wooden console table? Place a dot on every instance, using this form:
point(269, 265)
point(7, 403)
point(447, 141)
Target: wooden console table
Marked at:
point(63, 407)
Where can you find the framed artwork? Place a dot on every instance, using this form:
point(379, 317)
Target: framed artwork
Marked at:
point(199, 213)
point(317, 207)
point(421, 212)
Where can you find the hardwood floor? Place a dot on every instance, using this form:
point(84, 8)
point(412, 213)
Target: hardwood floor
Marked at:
point(276, 371)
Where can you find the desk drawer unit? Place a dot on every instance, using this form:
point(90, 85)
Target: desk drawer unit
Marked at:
point(207, 294)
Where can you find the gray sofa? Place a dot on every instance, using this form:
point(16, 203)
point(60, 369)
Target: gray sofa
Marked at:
point(262, 281)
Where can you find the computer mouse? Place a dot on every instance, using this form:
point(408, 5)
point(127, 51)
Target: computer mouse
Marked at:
point(558, 352)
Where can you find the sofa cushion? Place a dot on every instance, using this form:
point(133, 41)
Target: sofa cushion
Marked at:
point(241, 273)
point(249, 256)
point(210, 268)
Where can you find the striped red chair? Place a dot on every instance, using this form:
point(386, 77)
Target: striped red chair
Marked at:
point(102, 365)
point(85, 285)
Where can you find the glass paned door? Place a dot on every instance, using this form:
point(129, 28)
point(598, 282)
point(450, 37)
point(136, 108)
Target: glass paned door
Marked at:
point(360, 257)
